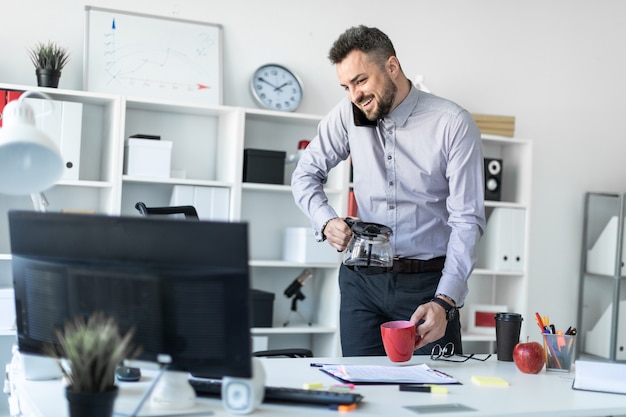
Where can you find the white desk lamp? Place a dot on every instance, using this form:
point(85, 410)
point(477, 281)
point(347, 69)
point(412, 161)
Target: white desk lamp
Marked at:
point(30, 162)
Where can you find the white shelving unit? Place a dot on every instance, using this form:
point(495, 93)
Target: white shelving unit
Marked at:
point(208, 148)
point(493, 281)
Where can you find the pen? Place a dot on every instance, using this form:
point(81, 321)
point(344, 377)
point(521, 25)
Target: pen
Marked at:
point(321, 365)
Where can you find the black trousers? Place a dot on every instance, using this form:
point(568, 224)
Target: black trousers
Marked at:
point(367, 301)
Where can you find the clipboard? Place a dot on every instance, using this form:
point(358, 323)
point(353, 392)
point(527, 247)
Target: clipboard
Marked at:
point(381, 374)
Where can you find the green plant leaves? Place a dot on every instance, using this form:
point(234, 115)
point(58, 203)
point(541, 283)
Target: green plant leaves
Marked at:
point(94, 348)
point(49, 55)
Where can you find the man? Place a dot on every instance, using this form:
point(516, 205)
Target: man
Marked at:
point(417, 168)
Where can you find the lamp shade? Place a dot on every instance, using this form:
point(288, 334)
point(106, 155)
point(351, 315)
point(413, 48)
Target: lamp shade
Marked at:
point(30, 161)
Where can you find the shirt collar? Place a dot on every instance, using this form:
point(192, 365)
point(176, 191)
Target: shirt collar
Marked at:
point(399, 115)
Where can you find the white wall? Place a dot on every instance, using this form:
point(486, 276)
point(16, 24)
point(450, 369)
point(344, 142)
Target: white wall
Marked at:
point(558, 66)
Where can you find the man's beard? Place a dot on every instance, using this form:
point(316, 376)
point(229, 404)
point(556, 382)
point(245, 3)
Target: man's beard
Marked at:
point(386, 101)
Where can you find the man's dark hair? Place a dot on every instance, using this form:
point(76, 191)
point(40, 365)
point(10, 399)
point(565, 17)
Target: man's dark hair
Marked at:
point(372, 41)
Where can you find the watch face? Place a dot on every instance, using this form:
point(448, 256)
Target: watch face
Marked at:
point(275, 87)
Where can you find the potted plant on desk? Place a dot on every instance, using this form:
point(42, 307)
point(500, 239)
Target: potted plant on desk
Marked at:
point(49, 59)
point(88, 352)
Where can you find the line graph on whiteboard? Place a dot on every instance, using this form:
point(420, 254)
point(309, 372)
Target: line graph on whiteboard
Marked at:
point(145, 56)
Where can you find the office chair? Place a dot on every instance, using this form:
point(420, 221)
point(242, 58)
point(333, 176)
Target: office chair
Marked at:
point(189, 211)
point(191, 214)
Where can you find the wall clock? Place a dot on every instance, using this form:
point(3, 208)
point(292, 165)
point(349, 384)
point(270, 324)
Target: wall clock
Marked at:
point(275, 87)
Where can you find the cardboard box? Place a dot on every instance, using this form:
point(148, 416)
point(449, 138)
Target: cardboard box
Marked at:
point(300, 246)
point(264, 166)
point(147, 158)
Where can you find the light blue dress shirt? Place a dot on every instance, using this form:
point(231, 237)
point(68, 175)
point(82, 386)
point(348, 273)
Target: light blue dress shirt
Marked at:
point(419, 171)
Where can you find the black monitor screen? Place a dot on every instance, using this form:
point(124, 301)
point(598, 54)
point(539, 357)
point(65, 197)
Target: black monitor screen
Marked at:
point(183, 286)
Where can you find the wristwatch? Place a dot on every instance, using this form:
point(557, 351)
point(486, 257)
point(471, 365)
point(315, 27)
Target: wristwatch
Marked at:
point(451, 311)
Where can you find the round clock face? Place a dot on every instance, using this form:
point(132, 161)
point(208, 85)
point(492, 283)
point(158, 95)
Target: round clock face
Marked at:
point(275, 87)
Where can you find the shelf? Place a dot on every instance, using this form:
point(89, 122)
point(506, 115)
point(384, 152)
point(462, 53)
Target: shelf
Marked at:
point(293, 330)
point(474, 337)
point(177, 181)
point(491, 272)
point(86, 184)
point(507, 204)
point(288, 264)
point(504, 140)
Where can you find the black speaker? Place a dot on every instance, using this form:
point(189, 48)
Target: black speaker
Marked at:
point(493, 179)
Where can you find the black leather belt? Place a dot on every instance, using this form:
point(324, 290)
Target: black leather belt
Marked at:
point(417, 266)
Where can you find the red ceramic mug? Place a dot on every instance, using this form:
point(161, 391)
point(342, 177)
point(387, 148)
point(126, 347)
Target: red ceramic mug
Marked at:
point(400, 339)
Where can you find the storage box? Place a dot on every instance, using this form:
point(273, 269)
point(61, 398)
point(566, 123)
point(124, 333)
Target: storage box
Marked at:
point(264, 166)
point(300, 245)
point(262, 308)
point(147, 158)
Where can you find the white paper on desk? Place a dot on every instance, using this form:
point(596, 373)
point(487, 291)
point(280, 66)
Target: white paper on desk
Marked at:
point(600, 376)
point(407, 374)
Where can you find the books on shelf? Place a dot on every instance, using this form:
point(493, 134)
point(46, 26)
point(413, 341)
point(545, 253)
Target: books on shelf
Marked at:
point(495, 125)
point(600, 376)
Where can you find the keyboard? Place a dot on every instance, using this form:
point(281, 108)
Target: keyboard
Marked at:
point(212, 388)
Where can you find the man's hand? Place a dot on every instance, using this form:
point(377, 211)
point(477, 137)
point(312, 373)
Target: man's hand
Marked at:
point(338, 233)
point(434, 323)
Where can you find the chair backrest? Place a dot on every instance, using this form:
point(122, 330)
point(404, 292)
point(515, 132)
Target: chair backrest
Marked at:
point(290, 353)
point(189, 212)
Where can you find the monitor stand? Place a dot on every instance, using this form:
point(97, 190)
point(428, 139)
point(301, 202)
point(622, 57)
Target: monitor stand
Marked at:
point(170, 390)
point(173, 392)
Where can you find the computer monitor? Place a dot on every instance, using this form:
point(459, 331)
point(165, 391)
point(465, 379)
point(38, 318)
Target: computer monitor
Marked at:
point(183, 286)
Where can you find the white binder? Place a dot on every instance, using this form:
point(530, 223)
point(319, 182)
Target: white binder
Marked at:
point(502, 246)
point(62, 122)
point(211, 203)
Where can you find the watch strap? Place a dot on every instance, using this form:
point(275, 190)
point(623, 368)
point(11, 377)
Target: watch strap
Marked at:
point(449, 309)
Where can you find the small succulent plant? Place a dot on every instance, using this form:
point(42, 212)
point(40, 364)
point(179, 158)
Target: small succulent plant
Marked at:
point(49, 55)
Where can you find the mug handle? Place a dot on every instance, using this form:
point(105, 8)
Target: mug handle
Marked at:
point(418, 338)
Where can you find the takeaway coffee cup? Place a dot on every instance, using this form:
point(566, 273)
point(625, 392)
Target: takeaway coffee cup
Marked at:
point(508, 326)
point(399, 339)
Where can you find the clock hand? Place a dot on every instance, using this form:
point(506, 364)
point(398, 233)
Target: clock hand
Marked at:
point(281, 87)
point(263, 80)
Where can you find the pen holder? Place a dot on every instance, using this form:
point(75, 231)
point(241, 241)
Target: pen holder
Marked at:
point(559, 350)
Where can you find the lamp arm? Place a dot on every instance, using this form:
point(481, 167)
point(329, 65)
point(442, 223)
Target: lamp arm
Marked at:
point(38, 94)
point(40, 202)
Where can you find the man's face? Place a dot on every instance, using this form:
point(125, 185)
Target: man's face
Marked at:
point(370, 88)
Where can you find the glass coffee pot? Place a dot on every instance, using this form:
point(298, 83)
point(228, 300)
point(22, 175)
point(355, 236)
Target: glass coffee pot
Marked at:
point(369, 250)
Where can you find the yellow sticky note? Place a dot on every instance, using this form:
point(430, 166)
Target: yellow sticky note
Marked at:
point(489, 380)
point(313, 385)
point(438, 389)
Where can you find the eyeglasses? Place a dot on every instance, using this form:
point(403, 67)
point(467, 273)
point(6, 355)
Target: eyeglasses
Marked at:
point(446, 352)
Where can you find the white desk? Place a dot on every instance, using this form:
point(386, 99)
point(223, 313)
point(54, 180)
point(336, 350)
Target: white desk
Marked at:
point(543, 394)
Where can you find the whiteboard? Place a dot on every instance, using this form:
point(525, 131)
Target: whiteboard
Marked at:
point(135, 54)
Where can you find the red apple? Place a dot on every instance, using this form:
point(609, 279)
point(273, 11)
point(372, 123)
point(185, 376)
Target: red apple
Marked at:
point(529, 357)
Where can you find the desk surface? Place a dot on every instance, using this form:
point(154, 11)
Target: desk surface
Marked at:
point(543, 394)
